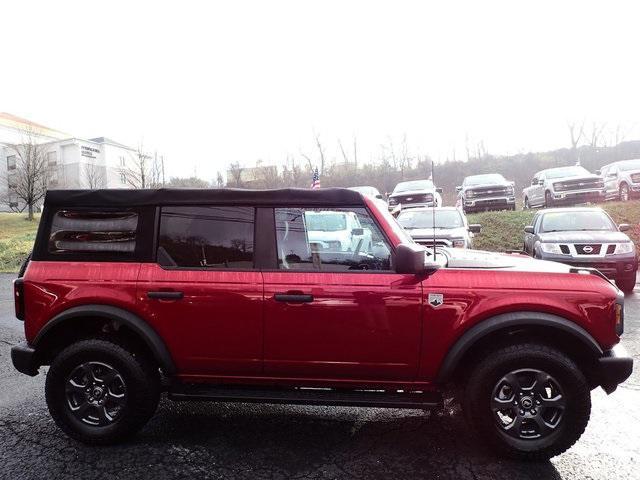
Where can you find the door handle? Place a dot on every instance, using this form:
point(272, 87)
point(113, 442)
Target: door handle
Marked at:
point(165, 295)
point(293, 297)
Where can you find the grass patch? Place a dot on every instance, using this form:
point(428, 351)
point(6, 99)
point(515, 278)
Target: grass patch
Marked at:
point(504, 230)
point(16, 239)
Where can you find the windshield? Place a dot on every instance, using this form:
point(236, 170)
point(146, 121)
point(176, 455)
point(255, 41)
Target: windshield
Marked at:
point(424, 219)
point(587, 220)
point(326, 222)
point(629, 165)
point(484, 179)
point(566, 172)
point(414, 185)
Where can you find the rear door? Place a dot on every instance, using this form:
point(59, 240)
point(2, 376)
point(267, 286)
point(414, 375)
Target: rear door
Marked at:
point(339, 313)
point(204, 294)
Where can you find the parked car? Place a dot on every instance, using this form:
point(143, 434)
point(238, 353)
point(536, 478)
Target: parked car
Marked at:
point(415, 193)
point(486, 192)
point(584, 237)
point(451, 226)
point(621, 179)
point(219, 295)
point(563, 186)
point(337, 231)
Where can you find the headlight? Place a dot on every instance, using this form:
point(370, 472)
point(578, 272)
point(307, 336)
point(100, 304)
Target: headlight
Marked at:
point(553, 248)
point(511, 190)
point(393, 201)
point(558, 186)
point(458, 242)
point(469, 193)
point(624, 248)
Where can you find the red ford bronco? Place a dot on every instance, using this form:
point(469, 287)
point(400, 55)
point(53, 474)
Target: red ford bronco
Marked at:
point(223, 295)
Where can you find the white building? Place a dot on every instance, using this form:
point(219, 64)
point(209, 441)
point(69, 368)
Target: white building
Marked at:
point(73, 162)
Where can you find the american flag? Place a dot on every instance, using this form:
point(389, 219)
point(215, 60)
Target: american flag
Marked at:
point(315, 180)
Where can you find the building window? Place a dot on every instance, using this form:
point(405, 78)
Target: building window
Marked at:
point(11, 162)
point(122, 162)
point(207, 237)
point(330, 240)
point(123, 178)
point(52, 158)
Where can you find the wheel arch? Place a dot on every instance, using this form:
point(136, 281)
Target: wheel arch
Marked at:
point(101, 319)
point(507, 328)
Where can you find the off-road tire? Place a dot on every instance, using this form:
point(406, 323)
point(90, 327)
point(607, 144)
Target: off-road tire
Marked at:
point(139, 373)
point(626, 284)
point(498, 363)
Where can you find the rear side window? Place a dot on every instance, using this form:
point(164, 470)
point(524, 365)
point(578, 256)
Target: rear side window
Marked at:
point(207, 237)
point(74, 231)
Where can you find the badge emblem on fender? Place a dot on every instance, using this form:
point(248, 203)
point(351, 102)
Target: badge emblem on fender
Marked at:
point(436, 299)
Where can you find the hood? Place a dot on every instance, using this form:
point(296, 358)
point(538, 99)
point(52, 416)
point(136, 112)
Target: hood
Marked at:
point(590, 176)
point(460, 258)
point(583, 237)
point(445, 233)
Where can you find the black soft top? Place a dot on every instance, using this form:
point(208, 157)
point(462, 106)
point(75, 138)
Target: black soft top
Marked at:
point(189, 196)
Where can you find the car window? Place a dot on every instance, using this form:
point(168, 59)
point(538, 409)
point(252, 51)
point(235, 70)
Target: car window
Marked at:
point(447, 219)
point(587, 220)
point(93, 232)
point(305, 243)
point(413, 185)
point(206, 237)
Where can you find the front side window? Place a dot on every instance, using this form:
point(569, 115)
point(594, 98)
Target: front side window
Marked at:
point(330, 240)
point(75, 231)
point(207, 237)
point(52, 158)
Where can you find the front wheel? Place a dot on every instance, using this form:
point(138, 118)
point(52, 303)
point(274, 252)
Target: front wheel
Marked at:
point(626, 284)
point(624, 192)
point(548, 199)
point(527, 401)
point(99, 392)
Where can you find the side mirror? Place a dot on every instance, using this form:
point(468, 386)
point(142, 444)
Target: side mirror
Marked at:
point(623, 227)
point(458, 189)
point(411, 258)
point(357, 232)
point(535, 181)
point(528, 229)
point(379, 196)
point(598, 172)
point(475, 228)
point(438, 190)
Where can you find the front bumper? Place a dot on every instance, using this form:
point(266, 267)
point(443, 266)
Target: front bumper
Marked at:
point(614, 367)
point(24, 359)
point(488, 203)
point(579, 196)
point(612, 266)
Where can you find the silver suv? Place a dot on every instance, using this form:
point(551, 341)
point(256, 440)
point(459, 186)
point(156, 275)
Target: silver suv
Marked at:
point(563, 186)
point(621, 179)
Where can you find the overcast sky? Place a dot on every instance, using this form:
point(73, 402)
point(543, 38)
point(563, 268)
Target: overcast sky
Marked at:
point(210, 83)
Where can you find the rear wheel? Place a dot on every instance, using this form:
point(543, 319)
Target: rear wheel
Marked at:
point(527, 401)
point(99, 392)
point(626, 284)
point(624, 192)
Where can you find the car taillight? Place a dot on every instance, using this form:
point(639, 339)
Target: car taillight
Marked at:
point(18, 297)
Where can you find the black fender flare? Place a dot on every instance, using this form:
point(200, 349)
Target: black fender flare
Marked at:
point(508, 320)
point(118, 316)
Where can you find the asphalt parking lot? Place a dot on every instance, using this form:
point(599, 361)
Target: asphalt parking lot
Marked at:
point(208, 440)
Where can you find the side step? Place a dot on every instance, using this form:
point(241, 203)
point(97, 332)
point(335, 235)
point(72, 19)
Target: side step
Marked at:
point(306, 396)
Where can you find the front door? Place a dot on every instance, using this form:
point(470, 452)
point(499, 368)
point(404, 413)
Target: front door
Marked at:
point(204, 295)
point(334, 310)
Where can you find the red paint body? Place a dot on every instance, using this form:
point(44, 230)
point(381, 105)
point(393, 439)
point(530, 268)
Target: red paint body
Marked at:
point(362, 329)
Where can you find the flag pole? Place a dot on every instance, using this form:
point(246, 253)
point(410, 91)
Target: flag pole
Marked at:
point(433, 212)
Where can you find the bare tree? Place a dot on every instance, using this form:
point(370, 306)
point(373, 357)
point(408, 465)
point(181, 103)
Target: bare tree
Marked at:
point(189, 182)
point(220, 180)
point(142, 170)
point(576, 132)
point(94, 176)
point(235, 172)
point(28, 176)
point(596, 133)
